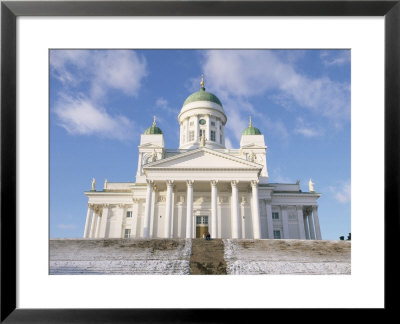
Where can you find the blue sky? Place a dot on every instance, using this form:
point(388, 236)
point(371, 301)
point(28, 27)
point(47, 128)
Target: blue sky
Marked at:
point(102, 100)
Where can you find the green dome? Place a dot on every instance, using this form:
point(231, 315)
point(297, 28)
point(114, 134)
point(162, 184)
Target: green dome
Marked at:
point(202, 95)
point(251, 130)
point(153, 129)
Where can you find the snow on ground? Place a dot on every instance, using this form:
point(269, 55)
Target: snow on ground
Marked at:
point(248, 257)
point(120, 257)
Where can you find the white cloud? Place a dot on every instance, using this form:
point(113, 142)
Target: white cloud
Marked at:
point(81, 116)
point(98, 72)
point(342, 193)
point(163, 104)
point(336, 58)
point(306, 129)
point(247, 73)
point(122, 70)
point(67, 226)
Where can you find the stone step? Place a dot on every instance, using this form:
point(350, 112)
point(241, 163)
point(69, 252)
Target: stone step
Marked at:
point(207, 257)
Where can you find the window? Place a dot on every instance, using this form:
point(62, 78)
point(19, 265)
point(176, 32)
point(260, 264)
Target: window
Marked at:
point(191, 123)
point(275, 215)
point(202, 132)
point(213, 136)
point(191, 136)
point(277, 234)
point(220, 138)
point(213, 123)
point(128, 214)
point(127, 233)
point(202, 220)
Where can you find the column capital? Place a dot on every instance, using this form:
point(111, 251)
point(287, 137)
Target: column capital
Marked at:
point(284, 207)
point(234, 183)
point(170, 182)
point(214, 182)
point(121, 205)
point(254, 183)
point(268, 201)
point(135, 200)
point(149, 182)
point(299, 207)
point(106, 205)
point(189, 183)
point(315, 208)
point(90, 205)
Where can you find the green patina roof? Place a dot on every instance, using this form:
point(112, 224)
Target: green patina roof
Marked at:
point(153, 130)
point(251, 130)
point(202, 95)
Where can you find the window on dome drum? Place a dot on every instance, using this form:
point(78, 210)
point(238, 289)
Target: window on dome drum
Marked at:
point(128, 214)
point(202, 132)
point(202, 121)
point(212, 123)
point(213, 136)
point(191, 123)
point(275, 215)
point(220, 138)
point(127, 233)
point(191, 136)
point(277, 234)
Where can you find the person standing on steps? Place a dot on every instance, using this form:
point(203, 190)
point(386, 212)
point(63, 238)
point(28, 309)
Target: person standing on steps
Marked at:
point(208, 236)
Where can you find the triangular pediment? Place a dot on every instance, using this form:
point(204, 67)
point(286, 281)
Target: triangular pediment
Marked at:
point(203, 158)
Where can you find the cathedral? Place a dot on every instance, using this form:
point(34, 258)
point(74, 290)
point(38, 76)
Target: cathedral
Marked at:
point(202, 187)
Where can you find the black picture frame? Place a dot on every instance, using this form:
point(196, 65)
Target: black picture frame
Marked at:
point(10, 10)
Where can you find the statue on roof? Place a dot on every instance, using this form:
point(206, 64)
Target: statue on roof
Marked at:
point(93, 184)
point(311, 186)
point(105, 184)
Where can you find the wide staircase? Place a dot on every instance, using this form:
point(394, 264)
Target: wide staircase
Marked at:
point(207, 257)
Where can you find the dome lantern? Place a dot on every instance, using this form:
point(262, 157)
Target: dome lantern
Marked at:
point(251, 130)
point(153, 130)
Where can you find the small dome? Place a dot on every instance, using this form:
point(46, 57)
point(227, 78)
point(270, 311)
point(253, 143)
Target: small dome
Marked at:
point(202, 95)
point(152, 130)
point(251, 130)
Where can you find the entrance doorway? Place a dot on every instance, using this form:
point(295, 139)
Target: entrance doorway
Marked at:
point(201, 226)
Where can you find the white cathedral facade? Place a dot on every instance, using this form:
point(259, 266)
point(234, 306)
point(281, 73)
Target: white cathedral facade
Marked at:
point(202, 187)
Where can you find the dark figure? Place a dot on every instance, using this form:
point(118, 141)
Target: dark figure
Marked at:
point(208, 236)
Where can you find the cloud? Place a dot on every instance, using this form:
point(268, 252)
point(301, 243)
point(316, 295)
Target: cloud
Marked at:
point(336, 58)
point(342, 193)
point(87, 77)
point(102, 70)
point(247, 73)
point(81, 116)
point(67, 226)
point(163, 104)
point(306, 129)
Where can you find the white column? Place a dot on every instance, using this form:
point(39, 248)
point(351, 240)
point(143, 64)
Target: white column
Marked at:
point(208, 127)
point(306, 227)
point(96, 231)
point(242, 217)
point(235, 211)
point(311, 225)
point(93, 224)
point(121, 220)
point(88, 219)
point(179, 216)
point(147, 210)
point(103, 223)
point(214, 212)
point(316, 220)
point(219, 218)
point(154, 197)
point(256, 210)
point(300, 220)
point(135, 215)
point(217, 133)
point(168, 207)
point(196, 128)
point(189, 209)
point(285, 222)
point(268, 207)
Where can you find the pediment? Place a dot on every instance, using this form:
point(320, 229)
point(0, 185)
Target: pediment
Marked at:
point(203, 158)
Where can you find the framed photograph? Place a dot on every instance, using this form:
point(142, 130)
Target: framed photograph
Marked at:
point(46, 44)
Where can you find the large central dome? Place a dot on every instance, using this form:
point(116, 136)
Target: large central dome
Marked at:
point(202, 120)
point(202, 95)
